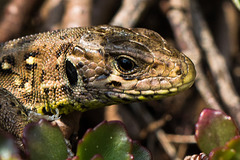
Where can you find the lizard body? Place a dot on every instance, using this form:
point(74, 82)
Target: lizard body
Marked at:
point(83, 68)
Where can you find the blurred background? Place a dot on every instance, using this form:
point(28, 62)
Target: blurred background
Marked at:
point(208, 31)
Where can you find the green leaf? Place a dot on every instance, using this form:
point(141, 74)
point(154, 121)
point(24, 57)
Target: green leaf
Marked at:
point(222, 154)
point(108, 139)
point(237, 3)
point(214, 129)
point(234, 144)
point(140, 153)
point(231, 151)
point(8, 150)
point(44, 141)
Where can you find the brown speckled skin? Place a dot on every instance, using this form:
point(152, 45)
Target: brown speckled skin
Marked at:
point(12, 114)
point(77, 68)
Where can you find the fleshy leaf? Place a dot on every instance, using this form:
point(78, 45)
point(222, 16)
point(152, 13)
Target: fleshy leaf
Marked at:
point(214, 129)
point(108, 139)
point(8, 150)
point(234, 144)
point(222, 153)
point(231, 151)
point(140, 153)
point(44, 141)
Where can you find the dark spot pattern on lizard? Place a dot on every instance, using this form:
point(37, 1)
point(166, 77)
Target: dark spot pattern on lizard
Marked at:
point(67, 89)
point(9, 59)
point(46, 91)
point(57, 66)
point(31, 54)
point(22, 83)
point(8, 62)
point(62, 49)
point(42, 76)
point(31, 67)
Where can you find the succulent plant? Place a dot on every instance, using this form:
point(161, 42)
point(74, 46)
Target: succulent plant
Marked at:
point(107, 141)
point(217, 135)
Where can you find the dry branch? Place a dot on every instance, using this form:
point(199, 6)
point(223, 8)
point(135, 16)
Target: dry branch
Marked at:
point(217, 64)
point(78, 13)
point(50, 14)
point(168, 147)
point(15, 14)
point(185, 38)
point(129, 12)
point(160, 134)
point(173, 138)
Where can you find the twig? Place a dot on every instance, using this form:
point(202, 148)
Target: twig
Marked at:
point(15, 14)
point(78, 13)
point(50, 14)
point(129, 12)
point(168, 147)
point(153, 126)
point(173, 138)
point(217, 64)
point(181, 152)
point(160, 134)
point(186, 41)
point(232, 21)
point(111, 113)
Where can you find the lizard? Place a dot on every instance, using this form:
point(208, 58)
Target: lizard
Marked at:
point(77, 69)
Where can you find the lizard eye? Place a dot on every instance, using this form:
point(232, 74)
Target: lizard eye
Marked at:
point(71, 73)
point(125, 65)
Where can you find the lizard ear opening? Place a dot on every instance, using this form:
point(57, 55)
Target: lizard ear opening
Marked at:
point(71, 73)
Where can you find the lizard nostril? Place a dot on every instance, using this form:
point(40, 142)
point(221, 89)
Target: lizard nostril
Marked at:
point(71, 73)
point(179, 72)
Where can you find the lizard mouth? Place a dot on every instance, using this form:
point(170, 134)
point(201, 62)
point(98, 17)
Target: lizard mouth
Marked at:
point(133, 95)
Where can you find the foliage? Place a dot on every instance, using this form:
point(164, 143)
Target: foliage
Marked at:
point(217, 135)
point(107, 141)
point(44, 141)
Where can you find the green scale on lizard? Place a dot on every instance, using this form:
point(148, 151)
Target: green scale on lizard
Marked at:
point(84, 68)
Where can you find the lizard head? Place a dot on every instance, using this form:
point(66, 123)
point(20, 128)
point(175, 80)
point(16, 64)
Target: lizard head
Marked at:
point(117, 65)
